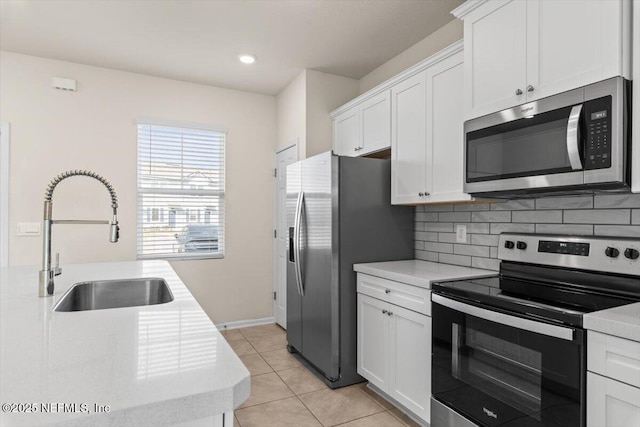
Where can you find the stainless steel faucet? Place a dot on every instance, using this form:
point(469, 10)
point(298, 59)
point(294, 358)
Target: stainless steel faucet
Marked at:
point(47, 273)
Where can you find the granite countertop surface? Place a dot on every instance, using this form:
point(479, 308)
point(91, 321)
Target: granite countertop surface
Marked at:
point(420, 273)
point(623, 321)
point(153, 365)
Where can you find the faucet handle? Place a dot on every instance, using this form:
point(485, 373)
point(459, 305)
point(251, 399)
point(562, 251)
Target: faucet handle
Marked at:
point(57, 270)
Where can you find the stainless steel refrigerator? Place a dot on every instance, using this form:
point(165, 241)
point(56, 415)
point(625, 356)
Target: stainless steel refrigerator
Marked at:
point(339, 213)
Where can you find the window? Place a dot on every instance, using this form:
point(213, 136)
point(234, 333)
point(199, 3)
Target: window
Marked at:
point(180, 192)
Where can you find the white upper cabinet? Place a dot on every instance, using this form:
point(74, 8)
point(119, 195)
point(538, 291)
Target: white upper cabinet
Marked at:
point(445, 133)
point(408, 140)
point(346, 133)
point(522, 50)
point(495, 61)
point(427, 137)
point(375, 117)
point(364, 128)
point(571, 45)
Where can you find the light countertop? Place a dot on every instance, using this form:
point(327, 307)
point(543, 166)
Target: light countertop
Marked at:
point(153, 365)
point(621, 321)
point(420, 273)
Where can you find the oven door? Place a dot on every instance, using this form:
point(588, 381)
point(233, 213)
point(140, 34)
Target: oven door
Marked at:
point(496, 369)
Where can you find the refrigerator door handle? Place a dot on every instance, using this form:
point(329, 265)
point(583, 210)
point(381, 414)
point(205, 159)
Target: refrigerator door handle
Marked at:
point(296, 242)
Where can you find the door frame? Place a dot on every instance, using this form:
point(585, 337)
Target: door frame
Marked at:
point(279, 149)
point(5, 137)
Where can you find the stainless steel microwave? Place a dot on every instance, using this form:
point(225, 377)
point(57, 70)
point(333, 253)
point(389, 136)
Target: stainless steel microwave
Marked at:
point(573, 142)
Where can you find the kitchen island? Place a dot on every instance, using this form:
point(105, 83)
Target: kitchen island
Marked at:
point(155, 365)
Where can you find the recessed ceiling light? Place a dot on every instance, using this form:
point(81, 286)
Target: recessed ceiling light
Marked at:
point(247, 59)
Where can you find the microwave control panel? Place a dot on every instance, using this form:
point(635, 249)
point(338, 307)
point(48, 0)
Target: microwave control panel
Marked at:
point(597, 115)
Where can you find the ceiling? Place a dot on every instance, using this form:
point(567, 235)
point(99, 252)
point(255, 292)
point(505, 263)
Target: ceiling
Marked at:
point(199, 41)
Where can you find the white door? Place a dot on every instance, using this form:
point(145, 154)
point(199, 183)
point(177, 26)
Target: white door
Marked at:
point(346, 133)
point(375, 116)
point(571, 45)
point(410, 360)
point(4, 195)
point(611, 403)
point(495, 42)
point(408, 140)
point(283, 158)
point(373, 340)
point(445, 134)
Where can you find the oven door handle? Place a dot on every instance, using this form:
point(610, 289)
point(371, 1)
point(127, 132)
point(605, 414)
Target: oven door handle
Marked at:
point(505, 319)
point(573, 138)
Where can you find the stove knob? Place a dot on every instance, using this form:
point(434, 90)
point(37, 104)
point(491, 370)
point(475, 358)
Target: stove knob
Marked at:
point(631, 253)
point(611, 252)
point(521, 245)
point(509, 244)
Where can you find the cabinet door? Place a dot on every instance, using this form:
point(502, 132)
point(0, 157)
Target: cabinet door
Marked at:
point(346, 133)
point(410, 347)
point(573, 44)
point(445, 134)
point(375, 115)
point(611, 403)
point(408, 140)
point(495, 57)
point(373, 341)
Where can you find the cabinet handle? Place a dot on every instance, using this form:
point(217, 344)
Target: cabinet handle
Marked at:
point(387, 291)
point(427, 194)
point(518, 92)
point(389, 313)
point(420, 194)
point(384, 311)
point(530, 88)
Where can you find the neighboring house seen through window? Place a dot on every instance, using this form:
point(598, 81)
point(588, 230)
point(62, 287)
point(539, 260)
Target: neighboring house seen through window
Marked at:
point(180, 192)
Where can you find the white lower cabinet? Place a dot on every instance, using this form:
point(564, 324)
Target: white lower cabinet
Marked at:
point(613, 381)
point(410, 359)
point(373, 341)
point(394, 351)
point(611, 403)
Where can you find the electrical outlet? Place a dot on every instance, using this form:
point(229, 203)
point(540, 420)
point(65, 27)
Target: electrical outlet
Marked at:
point(28, 229)
point(461, 234)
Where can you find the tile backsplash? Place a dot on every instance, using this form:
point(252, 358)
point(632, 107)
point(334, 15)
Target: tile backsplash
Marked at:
point(435, 237)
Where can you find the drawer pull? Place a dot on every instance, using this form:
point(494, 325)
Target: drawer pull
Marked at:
point(384, 311)
point(387, 291)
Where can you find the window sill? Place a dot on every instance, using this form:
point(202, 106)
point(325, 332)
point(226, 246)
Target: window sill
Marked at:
point(180, 257)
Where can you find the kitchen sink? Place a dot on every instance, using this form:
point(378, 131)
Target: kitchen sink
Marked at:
point(101, 294)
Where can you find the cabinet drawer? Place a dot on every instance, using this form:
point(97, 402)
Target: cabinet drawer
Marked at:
point(614, 357)
point(407, 296)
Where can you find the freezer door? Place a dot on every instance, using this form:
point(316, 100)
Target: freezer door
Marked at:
point(320, 325)
point(294, 299)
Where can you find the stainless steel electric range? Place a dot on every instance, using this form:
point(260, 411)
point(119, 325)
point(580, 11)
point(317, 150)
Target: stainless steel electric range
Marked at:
point(510, 350)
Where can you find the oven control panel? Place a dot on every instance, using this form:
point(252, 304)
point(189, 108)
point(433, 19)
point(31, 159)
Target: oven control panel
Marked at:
point(560, 247)
point(607, 254)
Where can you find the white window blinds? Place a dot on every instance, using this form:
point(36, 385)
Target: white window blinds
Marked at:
point(180, 192)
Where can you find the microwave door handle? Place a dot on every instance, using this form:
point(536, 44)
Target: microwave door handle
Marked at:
point(573, 135)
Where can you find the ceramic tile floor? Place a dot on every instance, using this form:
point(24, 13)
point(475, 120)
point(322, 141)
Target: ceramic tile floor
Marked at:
point(284, 393)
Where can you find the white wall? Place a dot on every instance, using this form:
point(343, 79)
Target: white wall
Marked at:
point(304, 107)
point(436, 41)
point(292, 110)
point(94, 129)
point(325, 93)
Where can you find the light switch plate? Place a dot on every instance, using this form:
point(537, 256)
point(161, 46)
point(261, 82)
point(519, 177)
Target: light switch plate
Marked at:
point(461, 234)
point(28, 229)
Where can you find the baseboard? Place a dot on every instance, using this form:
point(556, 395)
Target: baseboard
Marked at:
point(244, 323)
